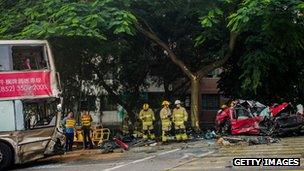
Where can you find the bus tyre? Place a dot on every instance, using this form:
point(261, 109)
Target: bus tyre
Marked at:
point(6, 156)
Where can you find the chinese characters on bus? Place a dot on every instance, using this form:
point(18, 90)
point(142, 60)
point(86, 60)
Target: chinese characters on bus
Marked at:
point(25, 84)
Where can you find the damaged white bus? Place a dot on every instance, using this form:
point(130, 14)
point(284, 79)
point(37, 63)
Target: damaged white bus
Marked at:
point(29, 102)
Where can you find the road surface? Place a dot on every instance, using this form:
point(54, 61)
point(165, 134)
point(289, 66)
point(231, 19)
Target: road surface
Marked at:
point(201, 155)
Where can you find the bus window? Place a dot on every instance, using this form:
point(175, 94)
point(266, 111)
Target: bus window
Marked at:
point(7, 121)
point(39, 113)
point(5, 58)
point(19, 115)
point(29, 58)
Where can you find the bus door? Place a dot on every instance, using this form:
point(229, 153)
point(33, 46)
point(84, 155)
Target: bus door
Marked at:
point(40, 123)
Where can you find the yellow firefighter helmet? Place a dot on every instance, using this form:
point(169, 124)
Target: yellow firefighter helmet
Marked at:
point(146, 106)
point(165, 103)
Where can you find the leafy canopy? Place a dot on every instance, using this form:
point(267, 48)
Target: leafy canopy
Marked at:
point(46, 18)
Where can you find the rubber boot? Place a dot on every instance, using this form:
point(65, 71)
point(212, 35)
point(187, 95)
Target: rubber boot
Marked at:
point(152, 136)
point(164, 137)
point(145, 136)
point(178, 137)
point(184, 136)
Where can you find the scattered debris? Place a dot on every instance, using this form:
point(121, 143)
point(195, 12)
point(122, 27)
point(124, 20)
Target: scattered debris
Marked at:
point(246, 140)
point(262, 140)
point(125, 143)
point(210, 135)
point(153, 145)
point(223, 142)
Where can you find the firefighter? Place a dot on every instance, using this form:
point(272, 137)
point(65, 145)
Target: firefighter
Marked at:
point(69, 126)
point(165, 115)
point(147, 117)
point(180, 116)
point(86, 121)
point(126, 126)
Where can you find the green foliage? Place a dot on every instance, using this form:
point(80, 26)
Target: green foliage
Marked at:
point(256, 65)
point(269, 45)
point(267, 64)
point(211, 18)
point(47, 18)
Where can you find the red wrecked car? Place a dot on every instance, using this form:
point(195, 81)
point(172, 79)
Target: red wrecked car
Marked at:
point(253, 118)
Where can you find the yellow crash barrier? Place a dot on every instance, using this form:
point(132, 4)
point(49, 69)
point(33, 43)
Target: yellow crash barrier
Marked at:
point(98, 135)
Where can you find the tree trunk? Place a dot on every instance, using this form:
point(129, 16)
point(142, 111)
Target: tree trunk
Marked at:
point(195, 102)
point(195, 78)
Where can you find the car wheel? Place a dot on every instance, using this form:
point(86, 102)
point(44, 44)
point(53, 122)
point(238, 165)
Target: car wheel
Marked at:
point(6, 156)
point(226, 128)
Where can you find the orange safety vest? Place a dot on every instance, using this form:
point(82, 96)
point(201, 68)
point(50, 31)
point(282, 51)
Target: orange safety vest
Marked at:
point(86, 120)
point(70, 123)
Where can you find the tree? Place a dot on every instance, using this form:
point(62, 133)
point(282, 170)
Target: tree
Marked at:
point(47, 18)
point(79, 26)
point(197, 36)
point(268, 65)
point(176, 22)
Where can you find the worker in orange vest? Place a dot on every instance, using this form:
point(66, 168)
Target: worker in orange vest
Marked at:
point(69, 124)
point(86, 121)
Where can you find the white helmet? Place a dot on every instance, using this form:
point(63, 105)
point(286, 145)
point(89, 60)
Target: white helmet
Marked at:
point(177, 102)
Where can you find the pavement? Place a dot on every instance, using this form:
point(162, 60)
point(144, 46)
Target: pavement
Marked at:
point(198, 155)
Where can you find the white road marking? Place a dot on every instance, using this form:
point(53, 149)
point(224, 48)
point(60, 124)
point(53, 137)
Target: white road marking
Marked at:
point(133, 162)
point(141, 160)
point(116, 165)
point(56, 166)
point(188, 161)
point(48, 166)
point(167, 152)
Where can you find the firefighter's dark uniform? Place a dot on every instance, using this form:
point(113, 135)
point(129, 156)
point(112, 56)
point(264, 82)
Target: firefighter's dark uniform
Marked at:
point(69, 133)
point(86, 121)
point(125, 126)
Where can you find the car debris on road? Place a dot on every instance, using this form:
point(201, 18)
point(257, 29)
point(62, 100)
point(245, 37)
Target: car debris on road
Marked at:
point(253, 118)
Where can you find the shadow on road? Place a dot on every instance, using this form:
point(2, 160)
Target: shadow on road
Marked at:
point(34, 164)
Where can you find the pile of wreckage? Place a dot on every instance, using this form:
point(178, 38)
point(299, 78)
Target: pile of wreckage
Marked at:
point(124, 143)
point(253, 118)
point(252, 122)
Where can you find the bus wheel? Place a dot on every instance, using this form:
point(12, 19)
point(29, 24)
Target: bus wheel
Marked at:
point(6, 156)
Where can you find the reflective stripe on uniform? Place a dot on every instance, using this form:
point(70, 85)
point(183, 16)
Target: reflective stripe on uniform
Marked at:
point(86, 120)
point(70, 123)
point(147, 116)
point(180, 114)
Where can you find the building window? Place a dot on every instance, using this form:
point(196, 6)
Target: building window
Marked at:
point(210, 101)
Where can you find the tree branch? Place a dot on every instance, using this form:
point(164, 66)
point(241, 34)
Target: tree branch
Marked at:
point(151, 35)
point(208, 68)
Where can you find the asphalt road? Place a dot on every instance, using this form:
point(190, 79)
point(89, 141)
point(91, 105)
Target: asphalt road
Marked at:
point(199, 155)
point(160, 160)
